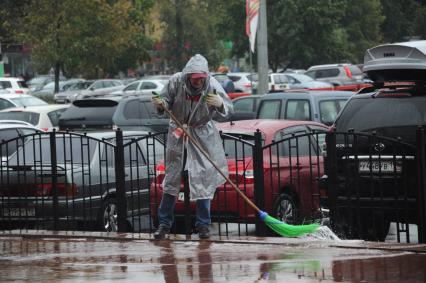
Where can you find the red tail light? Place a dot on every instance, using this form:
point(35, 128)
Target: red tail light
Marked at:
point(348, 72)
point(68, 190)
point(45, 129)
point(19, 91)
point(248, 85)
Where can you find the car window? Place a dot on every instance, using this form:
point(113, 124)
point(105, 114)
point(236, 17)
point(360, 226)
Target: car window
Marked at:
point(30, 117)
point(55, 115)
point(27, 131)
point(381, 113)
point(296, 142)
point(269, 109)
point(135, 153)
point(311, 74)
point(328, 111)
point(22, 84)
point(243, 105)
point(97, 85)
point(234, 78)
point(4, 104)
point(298, 109)
point(76, 149)
point(280, 79)
point(355, 70)
point(152, 111)
point(6, 84)
point(148, 85)
point(235, 148)
point(28, 101)
point(318, 136)
point(326, 73)
point(132, 86)
point(10, 147)
point(135, 110)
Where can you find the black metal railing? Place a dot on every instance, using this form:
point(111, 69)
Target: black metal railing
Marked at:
point(113, 182)
point(375, 183)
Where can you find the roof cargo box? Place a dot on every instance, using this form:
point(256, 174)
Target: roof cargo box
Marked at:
point(405, 61)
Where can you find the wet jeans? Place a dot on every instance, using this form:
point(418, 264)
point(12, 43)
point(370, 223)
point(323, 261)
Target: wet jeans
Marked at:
point(167, 207)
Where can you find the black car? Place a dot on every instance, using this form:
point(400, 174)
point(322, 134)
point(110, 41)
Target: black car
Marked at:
point(373, 155)
point(124, 112)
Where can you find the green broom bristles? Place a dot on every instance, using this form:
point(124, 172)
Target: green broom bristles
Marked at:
point(287, 230)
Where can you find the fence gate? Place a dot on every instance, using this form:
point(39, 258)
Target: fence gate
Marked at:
point(376, 184)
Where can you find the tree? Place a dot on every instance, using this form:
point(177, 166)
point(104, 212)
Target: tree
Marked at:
point(189, 29)
point(305, 32)
point(92, 38)
point(399, 22)
point(362, 24)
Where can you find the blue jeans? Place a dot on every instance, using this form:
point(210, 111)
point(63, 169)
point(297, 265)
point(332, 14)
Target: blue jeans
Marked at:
point(167, 207)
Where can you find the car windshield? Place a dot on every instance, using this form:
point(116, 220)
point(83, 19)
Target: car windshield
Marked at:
point(28, 101)
point(29, 117)
point(80, 85)
point(389, 116)
point(73, 150)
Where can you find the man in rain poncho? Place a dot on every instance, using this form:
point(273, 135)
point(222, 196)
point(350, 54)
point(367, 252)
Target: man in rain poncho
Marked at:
point(194, 97)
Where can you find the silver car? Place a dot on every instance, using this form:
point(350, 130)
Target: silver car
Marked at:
point(89, 89)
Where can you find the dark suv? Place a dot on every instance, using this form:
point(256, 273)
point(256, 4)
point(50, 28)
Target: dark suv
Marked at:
point(376, 146)
point(109, 112)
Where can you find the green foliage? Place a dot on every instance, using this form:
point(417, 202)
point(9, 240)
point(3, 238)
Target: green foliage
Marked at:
point(93, 38)
point(399, 23)
point(362, 25)
point(189, 29)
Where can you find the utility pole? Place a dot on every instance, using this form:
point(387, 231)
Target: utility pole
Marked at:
point(262, 50)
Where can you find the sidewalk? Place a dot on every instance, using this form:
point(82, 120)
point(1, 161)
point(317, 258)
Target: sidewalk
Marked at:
point(45, 256)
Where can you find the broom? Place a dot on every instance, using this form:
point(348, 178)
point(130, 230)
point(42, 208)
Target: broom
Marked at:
point(279, 227)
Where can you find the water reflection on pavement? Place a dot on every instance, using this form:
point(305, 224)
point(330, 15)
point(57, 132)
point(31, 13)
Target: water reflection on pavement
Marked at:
point(50, 259)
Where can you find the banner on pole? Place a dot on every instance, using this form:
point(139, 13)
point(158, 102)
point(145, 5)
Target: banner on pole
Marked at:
point(252, 17)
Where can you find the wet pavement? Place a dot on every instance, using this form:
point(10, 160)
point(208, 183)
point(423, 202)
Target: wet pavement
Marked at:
point(42, 256)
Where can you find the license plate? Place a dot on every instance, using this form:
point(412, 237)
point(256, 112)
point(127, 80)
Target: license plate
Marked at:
point(376, 167)
point(18, 212)
point(181, 196)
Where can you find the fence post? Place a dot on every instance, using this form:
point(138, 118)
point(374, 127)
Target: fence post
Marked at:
point(120, 182)
point(259, 192)
point(421, 184)
point(54, 164)
point(330, 169)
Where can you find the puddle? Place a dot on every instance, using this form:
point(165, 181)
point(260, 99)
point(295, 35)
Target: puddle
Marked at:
point(309, 259)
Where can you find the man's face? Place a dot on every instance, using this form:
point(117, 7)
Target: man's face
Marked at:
point(197, 82)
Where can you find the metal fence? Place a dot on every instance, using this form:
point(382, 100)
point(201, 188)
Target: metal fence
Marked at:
point(374, 182)
point(113, 182)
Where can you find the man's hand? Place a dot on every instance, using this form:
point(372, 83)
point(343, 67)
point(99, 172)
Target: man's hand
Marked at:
point(214, 99)
point(158, 102)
